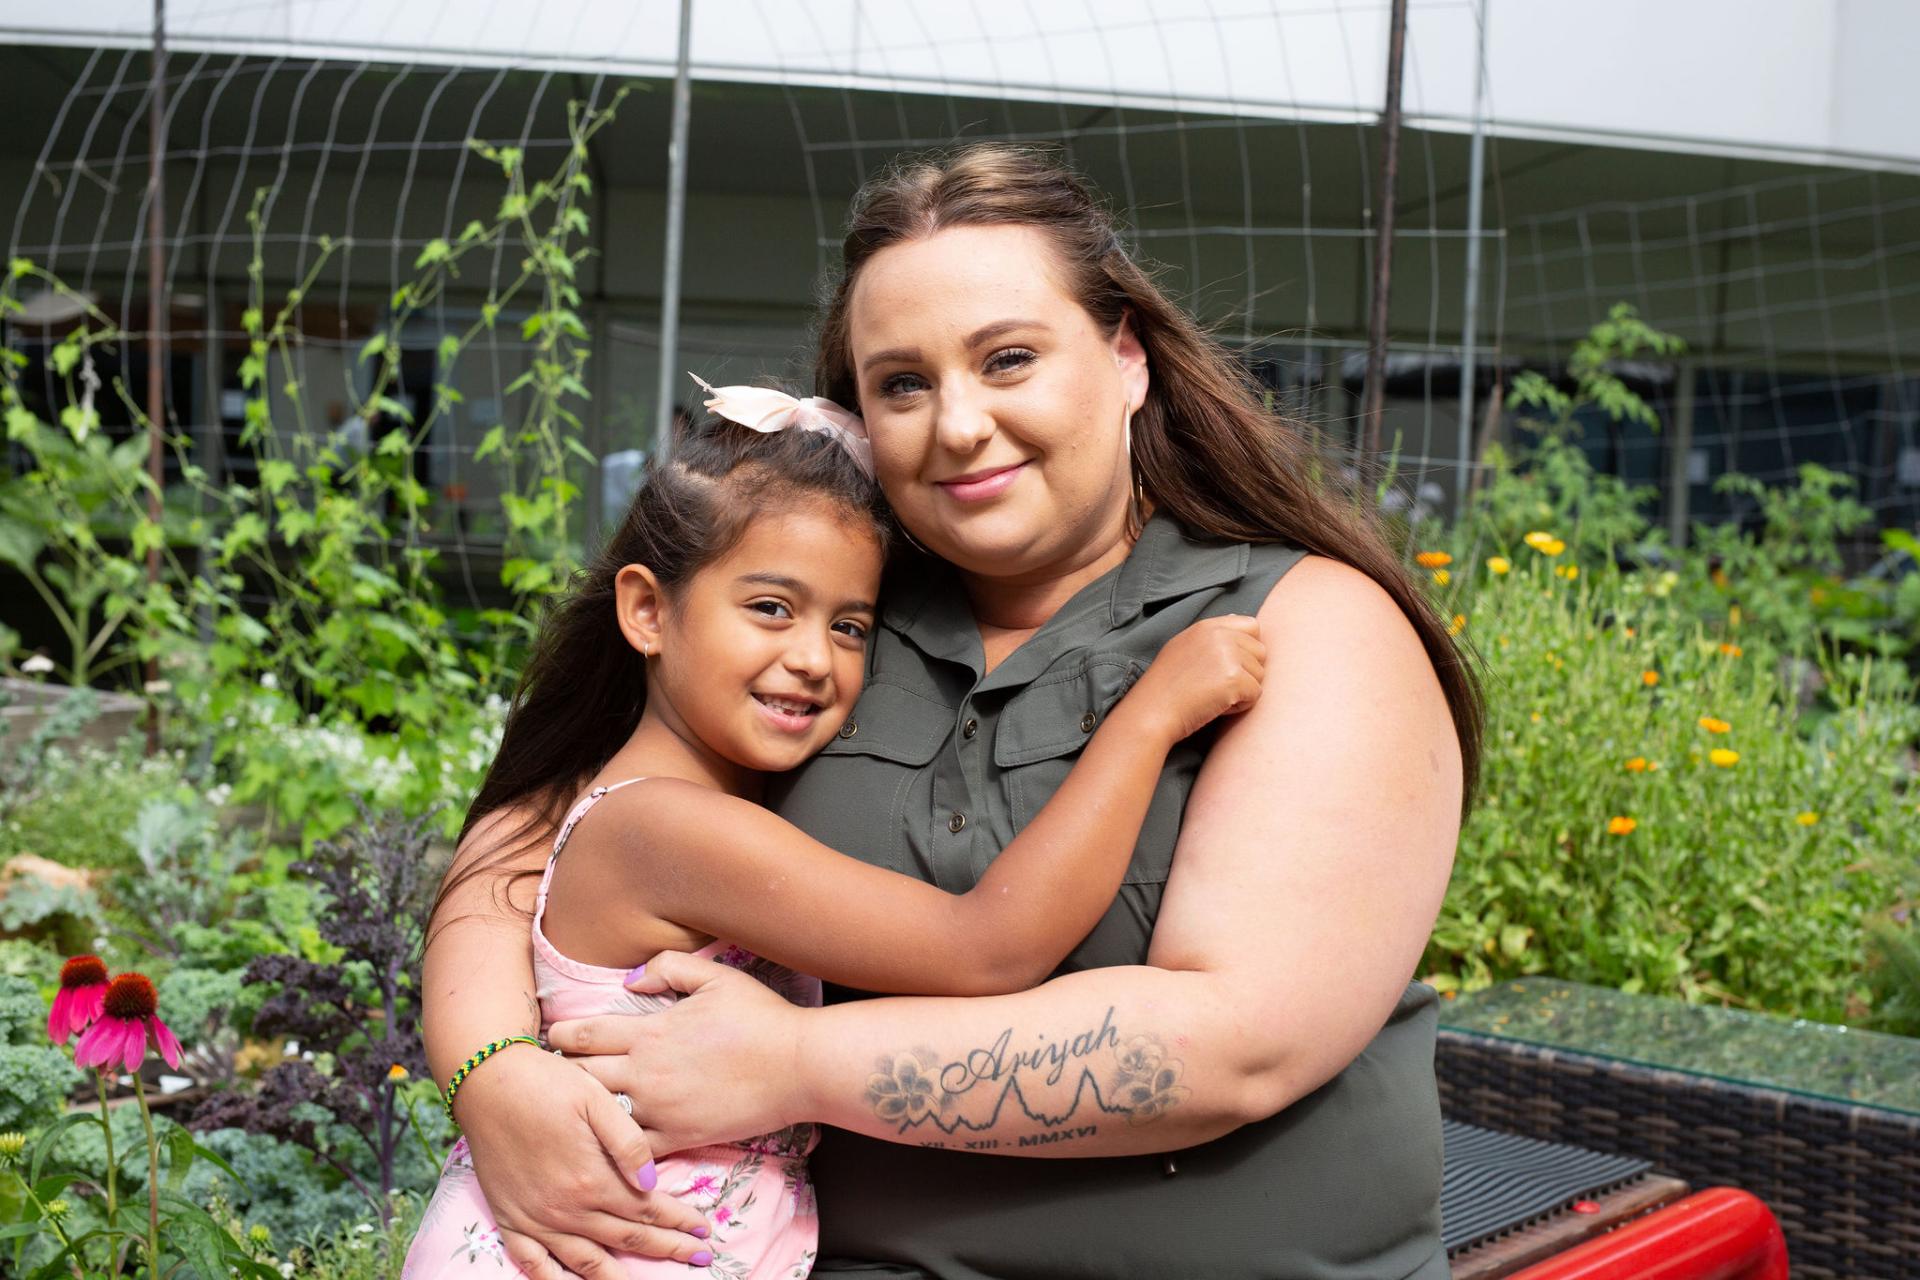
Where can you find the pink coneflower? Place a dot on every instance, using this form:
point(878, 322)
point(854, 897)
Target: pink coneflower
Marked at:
point(83, 986)
point(131, 1009)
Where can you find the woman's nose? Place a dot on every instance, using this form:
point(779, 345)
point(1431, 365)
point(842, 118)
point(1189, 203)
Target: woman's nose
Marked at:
point(962, 424)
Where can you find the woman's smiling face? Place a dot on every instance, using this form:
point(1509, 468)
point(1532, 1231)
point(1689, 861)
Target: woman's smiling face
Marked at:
point(995, 403)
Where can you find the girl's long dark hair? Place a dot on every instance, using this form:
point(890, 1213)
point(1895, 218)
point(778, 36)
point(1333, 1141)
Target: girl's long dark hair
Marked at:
point(1206, 449)
point(583, 689)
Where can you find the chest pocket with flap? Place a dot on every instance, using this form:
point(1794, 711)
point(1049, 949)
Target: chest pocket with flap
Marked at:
point(1045, 726)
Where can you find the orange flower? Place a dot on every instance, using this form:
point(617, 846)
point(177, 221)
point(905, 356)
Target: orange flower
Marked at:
point(1649, 678)
point(1433, 559)
point(1458, 624)
point(1723, 758)
point(1620, 826)
point(1713, 725)
point(1637, 765)
point(1719, 577)
point(1731, 650)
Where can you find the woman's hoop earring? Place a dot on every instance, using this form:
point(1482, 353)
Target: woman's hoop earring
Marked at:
point(1137, 499)
point(908, 535)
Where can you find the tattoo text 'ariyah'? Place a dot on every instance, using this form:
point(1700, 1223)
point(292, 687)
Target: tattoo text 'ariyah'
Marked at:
point(1106, 1076)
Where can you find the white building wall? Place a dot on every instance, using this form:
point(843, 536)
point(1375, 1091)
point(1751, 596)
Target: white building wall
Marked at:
point(1789, 78)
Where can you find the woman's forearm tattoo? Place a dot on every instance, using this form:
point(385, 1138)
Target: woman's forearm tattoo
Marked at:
point(1064, 1086)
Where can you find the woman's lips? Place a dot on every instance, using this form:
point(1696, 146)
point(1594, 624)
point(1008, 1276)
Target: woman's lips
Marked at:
point(980, 485)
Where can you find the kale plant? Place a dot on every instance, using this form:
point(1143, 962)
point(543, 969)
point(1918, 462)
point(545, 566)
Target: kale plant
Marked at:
point(356, 1019)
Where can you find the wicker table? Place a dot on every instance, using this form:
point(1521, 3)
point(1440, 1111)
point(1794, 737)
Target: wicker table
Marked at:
point(1821, 1123)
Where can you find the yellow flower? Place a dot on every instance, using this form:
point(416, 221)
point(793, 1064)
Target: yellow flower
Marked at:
point(1637, 765)
point(1553, 548)
point(1630, 632)
point(1733, 616)
point(1731, 650)
point(1535, 717)
point(1568, 571)
point(1724, 758)
point(397, 1072)
point(1499, 564)
point(1442, 577)
point(1713, 725)
point(1538, 538)
point(1433, 559)
point(1621, 826)
point(1806, 818)
point(1719, 577)
point(1458, 624)
point(1649, 678)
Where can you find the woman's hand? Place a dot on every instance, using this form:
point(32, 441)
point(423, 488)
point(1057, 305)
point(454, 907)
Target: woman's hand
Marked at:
point(563, 1169)
point(1211, 669)
point(716, 1067)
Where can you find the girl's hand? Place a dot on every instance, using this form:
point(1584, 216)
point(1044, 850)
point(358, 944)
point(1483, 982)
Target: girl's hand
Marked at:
point(1211, 669)
point(561, 1166)
point(718, 1066)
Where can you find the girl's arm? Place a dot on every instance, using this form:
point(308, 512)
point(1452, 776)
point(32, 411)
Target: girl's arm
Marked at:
point(541, 1130)
point(1311, 863)
point(730, 868)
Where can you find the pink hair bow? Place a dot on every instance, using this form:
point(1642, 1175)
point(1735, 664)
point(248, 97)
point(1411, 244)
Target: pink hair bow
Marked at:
point(765, 409)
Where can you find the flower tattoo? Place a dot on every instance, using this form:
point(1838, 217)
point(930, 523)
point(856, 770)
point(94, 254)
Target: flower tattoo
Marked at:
point(1146, 1085)
point(902, 1091)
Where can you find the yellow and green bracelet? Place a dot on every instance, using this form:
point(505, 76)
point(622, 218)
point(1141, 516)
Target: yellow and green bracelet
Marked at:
point(466, 1068)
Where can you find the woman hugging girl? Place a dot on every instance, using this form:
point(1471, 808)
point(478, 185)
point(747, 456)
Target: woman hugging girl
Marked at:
point(721, 635)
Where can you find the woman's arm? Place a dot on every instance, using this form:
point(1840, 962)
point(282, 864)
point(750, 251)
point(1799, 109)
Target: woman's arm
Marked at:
point(1310, 868)
point(730, 868)
point(541, 1130)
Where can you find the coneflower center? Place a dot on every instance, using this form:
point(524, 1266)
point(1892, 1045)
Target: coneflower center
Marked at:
point(83, 971)
point(131, 996)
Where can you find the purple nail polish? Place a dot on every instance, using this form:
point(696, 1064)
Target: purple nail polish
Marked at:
point(698, 1233)
point(700, 1259)
point(648, 1177)
point(634, 974)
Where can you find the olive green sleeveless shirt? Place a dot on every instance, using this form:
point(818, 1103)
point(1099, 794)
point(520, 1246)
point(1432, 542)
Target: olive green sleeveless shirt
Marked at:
point(935, 771)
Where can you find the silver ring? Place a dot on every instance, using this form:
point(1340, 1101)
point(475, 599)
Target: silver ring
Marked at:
point(626, 1103)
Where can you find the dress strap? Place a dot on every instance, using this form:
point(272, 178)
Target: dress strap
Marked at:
point(574, 815)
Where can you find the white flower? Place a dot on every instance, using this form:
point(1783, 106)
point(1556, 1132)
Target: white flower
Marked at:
point(38, 665)
point(158, 686)
point(364, 1228)
point(268, 680)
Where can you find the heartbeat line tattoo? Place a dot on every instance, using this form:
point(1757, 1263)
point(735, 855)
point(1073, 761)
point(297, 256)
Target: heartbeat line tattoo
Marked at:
point(1141, 1084)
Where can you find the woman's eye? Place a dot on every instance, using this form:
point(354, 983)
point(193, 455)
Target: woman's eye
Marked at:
point(901, 384)
point(771, 609)
point(858, 630)
point(1009, 360)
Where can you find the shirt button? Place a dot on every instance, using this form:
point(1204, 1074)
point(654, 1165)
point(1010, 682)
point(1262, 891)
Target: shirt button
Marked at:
point(956, 822)
point(848, 729)
point(970, 728)
point(1087, 722)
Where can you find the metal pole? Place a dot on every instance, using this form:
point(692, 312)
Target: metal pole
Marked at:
point(157, 316)
point(676, 231)
point(1680, 456)
point(1470, 322)
point(1373, 402)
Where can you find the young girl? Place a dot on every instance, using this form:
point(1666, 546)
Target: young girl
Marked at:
point(721, 635)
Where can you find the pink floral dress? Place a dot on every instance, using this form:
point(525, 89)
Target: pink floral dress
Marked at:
point(754, 1194)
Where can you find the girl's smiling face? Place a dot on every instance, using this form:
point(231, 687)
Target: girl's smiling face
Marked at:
point(995, 403)
point(757, 659)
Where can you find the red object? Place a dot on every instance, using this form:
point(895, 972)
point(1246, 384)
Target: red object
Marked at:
point(1718, 1234)
point(1585, 1206)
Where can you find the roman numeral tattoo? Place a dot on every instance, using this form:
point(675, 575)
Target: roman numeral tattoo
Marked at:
point(1132, 1079)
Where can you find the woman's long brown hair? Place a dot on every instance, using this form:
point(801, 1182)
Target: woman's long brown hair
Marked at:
point(1206, 449)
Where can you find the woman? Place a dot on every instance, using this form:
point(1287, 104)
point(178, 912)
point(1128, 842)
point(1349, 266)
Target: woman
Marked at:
point(1233, 1073)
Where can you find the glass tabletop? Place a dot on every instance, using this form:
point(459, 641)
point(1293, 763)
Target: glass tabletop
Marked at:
point(1816, 1058)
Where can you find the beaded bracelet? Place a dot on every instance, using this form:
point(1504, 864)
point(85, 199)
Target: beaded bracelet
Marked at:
point(466, 1068)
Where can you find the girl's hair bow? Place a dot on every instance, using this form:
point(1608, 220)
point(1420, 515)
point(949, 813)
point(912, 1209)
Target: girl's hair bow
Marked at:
point(765, 409)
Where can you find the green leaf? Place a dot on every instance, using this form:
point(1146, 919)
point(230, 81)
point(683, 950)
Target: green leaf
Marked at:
point(44, 1148)
point(181, 1150)
point(372, 347)
point(436, 250)
point(20, 543)
point(494, 441)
